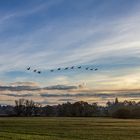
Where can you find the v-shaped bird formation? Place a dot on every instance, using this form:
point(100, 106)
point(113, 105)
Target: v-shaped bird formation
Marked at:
point(66, 68)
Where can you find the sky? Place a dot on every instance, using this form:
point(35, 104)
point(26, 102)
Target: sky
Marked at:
point(48, 34)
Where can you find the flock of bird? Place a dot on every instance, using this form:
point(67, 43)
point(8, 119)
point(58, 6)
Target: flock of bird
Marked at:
point(67, 68)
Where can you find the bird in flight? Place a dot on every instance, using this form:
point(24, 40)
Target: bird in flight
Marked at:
point(66, 68)
point(39, 72)
point(35, 70)
point(91, 69)
point(59, 69)
point(79, 67)
point(72, 67)
point(28, 68)
point(96, 69)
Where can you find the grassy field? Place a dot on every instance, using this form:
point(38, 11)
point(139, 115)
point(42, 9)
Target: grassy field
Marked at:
point(69, 129)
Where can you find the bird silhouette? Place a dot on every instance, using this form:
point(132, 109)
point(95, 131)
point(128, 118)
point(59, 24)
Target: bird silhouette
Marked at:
point(87, 68)
point(35, 70)
point(59, 69)
point(91, 69)
point(96, 69)
point(51, 70)
point(39, 72)
point(79, 67)
point(72, 67)
point(66, 68)
point(28, 68)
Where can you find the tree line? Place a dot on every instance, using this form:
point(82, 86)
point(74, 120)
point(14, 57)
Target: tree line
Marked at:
point(116, 109)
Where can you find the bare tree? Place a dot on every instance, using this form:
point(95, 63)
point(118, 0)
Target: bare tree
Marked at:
point(24, 107)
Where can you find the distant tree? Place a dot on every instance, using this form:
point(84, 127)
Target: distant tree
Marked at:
point(79, 108)
point(48, 111)
point(116, 101)
point(135, 113)
point(65, 109)
point(24, 107)
point(122, 113)
point(20, 107)
point(109, 104)
point(38, 110)
point(29, 107)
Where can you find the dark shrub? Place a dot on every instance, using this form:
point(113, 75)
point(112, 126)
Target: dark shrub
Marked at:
point(122, 113)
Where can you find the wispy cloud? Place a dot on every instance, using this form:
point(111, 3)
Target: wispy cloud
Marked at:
point(19, 95)
point(30, 86)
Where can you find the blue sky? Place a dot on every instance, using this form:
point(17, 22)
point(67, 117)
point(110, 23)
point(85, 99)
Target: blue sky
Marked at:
point(47, 34)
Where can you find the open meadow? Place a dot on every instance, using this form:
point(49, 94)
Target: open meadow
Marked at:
point(41, 128)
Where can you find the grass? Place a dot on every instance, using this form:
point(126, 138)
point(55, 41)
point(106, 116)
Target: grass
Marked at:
point(42, 128)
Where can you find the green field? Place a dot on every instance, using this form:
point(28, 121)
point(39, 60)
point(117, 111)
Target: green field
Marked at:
point(69, 129)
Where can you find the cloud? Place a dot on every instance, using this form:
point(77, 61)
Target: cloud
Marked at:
point(30, 10)
point(67, 100)
point(24, 84)
point(46, 102)
point(60, 87)
point(19, 95)
point(31, 86)
point(18, 88)
point(93, 95)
